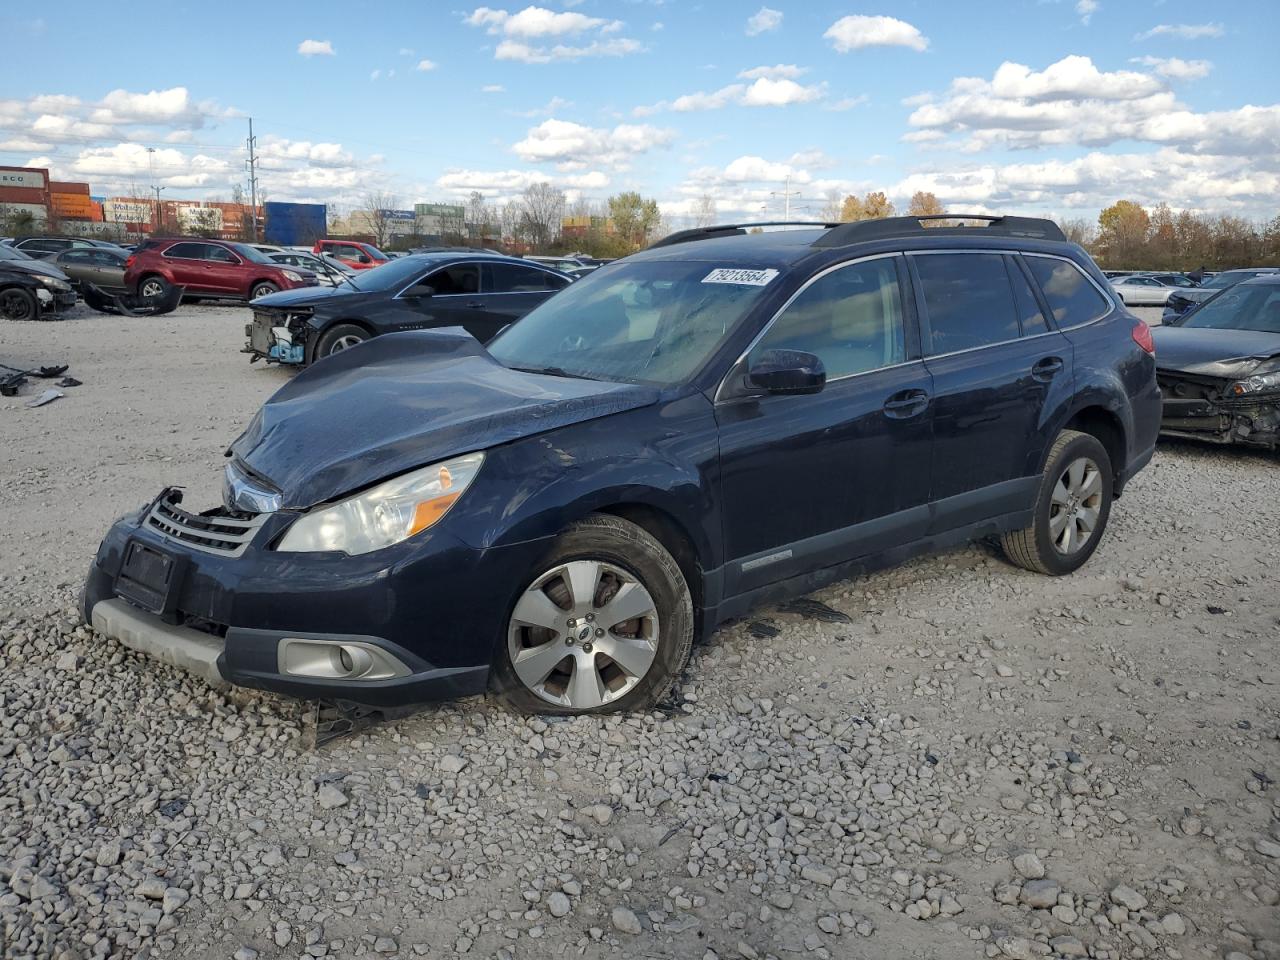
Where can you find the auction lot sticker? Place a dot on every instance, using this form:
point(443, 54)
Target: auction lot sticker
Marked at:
point(750, 278)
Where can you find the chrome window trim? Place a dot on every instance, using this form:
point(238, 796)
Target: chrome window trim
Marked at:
point(201, 243)
point(717, 398)
point(502, 293)
point(442, 296)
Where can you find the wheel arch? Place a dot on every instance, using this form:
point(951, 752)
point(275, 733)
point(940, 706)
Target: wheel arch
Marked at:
point(318, 330)
point(664, 527)
point(1104, 425)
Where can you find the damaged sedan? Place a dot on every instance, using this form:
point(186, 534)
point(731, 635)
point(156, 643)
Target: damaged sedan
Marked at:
point(1219, 367)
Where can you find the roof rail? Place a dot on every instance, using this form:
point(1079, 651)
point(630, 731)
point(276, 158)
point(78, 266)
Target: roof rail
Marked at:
point(730, 230)
point(888, 227)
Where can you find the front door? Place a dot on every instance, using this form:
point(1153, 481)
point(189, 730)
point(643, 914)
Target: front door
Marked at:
point(997, 368)
point(512, 289)
point(448, 297)
point(810, 481)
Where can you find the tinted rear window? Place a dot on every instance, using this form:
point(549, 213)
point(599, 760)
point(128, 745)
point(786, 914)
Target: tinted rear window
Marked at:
point(969, 300)
point(1071, 296)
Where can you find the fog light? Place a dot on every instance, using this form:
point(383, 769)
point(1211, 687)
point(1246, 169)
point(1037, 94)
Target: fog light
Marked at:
point(337, 660)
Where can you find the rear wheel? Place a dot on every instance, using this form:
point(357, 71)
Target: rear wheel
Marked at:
point(1071, 511)
point(605, 624)
point(263, 289)
point(344, 336)
point(18, 304)
point(153, 287)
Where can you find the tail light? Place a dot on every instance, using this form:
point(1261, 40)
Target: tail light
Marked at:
point(128, 261)
point(1142, 337)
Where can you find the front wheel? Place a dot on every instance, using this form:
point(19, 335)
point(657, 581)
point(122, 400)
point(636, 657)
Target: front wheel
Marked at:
point(604, 625)
point(1071, 511)
point(263, 289)
point(344, 336)
point(18, 304)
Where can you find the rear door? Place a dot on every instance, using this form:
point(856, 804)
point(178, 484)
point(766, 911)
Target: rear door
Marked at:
point(108, 269)
point(510, 290)
point(188, 266)
point(999, 371)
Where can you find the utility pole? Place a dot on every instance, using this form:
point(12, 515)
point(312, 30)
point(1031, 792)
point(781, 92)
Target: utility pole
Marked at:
point(159, 217)
point(787, 193)
point(252, 164)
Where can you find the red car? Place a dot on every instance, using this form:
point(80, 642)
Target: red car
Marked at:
point(209, 268)
point(357, 255)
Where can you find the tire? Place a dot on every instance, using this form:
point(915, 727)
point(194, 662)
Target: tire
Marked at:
point(656, 639)
point(153, 287)
point(263, 289)
point(18, 304)
point(340, 337)
point(1059, 539)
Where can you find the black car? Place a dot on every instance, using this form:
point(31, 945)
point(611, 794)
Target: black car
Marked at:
point(1180, 301)
point(46, 248)
point(722, 420)
point(480, 292)
point(22, 296)
point(62, 296)
point(1219, 367)
point(100, 266)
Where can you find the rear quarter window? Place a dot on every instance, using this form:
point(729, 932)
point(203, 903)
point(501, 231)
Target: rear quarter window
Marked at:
point(1072, 297)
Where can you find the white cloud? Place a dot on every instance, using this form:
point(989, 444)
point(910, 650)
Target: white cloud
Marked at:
point(316, 48)
point(788, 70)
point(846, 103)
point(493, 88)
point(1176, 69)
point(506, 184)
point(375, 74)
point(51, 103)
point(550, 108)
point(763, 21)
point(526, 53)
point(574, 146)
point(533, 22)
point(1071, 78)
point(1183, 31)
point(1085, 9)
point(765, 91)
point(424, 66)
point(49, 125)
point(167, 107)
point(855, 32)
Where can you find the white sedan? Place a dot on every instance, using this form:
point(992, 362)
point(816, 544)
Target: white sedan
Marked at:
point(329, 272)
point(1139, 291)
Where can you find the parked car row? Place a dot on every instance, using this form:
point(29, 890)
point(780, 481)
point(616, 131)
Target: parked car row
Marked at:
point(724, 419)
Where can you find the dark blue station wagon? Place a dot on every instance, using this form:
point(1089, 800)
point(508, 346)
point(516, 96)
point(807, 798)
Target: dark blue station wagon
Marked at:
point(724, 419)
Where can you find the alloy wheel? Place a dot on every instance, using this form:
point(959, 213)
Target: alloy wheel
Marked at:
point(345, 343)
point(1075, 506)
point(583, 634)
point(151, 288)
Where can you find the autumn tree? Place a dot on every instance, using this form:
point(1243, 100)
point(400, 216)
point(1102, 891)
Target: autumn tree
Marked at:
point(924, 204)
point(634, 217)
point(874, 206)
point(1123, 228)
point(1079, 230)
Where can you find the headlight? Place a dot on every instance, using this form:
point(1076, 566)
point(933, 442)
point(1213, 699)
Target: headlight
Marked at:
point(292, 277)
point(1259, 383)
point(53, 283)
point(386, 514)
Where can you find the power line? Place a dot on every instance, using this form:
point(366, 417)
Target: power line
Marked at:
point(252, 164)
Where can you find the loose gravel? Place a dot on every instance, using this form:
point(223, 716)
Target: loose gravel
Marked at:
point(955, 758)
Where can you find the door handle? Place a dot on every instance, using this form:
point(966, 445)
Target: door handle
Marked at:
point(474, 304)
point(906, 404)
point(1047, 368)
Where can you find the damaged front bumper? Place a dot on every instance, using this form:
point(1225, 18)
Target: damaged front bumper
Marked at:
point(1199, 408)
point(411, 624)
point(277, 337)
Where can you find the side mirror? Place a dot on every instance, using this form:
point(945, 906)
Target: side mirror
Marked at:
point(362, 259)
point(787, 372)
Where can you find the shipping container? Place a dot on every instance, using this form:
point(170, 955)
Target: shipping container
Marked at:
point(74, 206)
point(28, 178)
point(295, 224)
point(23, 195)
point(59, 186)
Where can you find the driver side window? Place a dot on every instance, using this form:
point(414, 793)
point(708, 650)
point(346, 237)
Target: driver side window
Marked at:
point(457, 279)
point(850, 318)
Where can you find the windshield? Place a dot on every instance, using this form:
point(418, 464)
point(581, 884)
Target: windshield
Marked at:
point(391, 275)
point(643, 322)
point(9, 253)
point(1243, 307)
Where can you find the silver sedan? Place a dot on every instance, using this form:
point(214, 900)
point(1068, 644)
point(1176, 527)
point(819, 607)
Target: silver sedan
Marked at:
point(1140, 291)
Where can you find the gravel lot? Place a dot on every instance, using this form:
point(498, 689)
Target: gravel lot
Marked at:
point(955, 758)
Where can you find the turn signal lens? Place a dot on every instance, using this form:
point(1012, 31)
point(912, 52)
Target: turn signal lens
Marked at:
point(428, 512)
point(1142, 337)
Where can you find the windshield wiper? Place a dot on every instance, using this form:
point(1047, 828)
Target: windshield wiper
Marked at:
point(554, 372)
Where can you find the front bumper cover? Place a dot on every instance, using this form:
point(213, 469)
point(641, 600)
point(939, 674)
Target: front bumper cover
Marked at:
point(433, 603)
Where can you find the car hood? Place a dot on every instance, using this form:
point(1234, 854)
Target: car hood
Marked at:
point(308, 296)
point(405, 400)
point(35, 266)
point(1213, 353)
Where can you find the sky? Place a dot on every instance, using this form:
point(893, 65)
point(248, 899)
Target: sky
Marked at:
point(1055, 107)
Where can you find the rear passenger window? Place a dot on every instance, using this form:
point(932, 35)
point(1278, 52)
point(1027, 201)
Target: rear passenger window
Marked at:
point(186, 251)
point(969, 300)
point(1029, 312)
point(1071, 297)
point(851, 318)
point(513, 278)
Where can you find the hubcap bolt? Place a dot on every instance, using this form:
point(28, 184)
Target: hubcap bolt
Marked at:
point(590, 617)
point(586, 648)
point(573, 623)
point(568, 641)
point(599, 632)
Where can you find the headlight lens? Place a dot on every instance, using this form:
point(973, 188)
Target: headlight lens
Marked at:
point(292, 277)
point(53, 283)
point(386, 514)
point(1259, 383)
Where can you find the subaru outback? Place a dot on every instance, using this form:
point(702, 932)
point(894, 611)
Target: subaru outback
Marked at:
point(725, 419)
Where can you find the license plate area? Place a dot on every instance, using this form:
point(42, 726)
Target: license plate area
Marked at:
point(150, 578)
